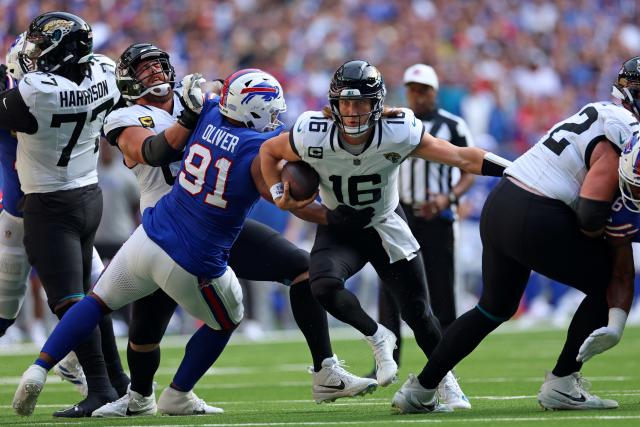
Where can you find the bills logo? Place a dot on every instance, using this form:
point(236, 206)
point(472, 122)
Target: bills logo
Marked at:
point(265, 90)
point(630, 144)
point(392, 157)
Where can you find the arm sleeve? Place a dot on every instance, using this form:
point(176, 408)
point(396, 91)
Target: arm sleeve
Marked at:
point(14, 113)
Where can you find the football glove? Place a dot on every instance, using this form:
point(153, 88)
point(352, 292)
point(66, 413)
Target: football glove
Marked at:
point(346, 217)
point(192, 100)
point(599, 341)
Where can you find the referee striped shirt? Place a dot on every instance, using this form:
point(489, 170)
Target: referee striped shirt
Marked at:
point(420, 177)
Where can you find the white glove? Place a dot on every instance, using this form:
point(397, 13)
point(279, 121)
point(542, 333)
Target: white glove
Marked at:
point(191, 92)
point(604, 338)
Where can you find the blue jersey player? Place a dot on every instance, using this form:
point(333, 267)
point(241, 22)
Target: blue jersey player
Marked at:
point(183, 243)
point(623, 228)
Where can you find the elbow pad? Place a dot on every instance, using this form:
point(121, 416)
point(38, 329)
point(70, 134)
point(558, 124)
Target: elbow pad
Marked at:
point(156, 150)
point(494, 165)
point(592, 214)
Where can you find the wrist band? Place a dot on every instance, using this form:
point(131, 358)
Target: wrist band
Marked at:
point(617, 319)
point(277, 190)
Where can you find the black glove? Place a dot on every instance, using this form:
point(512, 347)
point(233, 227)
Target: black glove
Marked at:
point(4, 78)
point(346, 217)
point(187, 117)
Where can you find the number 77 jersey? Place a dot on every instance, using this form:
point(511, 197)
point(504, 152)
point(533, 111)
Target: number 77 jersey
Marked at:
point(63, 153)
point(557, 164)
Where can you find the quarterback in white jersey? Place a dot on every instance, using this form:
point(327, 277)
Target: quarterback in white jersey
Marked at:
point(357, 154)
point(57, 112)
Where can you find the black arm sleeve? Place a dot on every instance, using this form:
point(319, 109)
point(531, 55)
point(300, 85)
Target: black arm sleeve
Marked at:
point(14, 113)
point(156, 150)
point(592, 214)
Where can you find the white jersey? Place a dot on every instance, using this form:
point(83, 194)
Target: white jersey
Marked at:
point(363, 180)
point(63, 153)
point(154, 182)
point(557, 164)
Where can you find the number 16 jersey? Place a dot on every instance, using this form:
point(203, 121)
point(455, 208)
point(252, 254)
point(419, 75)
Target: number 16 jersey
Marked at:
point(557, 164)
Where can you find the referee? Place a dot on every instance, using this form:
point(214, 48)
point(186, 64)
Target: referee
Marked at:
point(429, 193)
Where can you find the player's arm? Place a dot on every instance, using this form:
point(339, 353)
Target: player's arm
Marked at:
point(312, 212)
point(272, 152)
point(142, 145)
point(598, 189)
point(14, 113)
point(619, 297)
point(470, 159)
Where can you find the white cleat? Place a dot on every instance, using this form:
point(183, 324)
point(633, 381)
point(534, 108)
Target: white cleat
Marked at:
point(31, 384)
point(69, 369)
point(412, 398)
point(450, 393)
point(570, 392)
point(383, 342)
point(132, 404)
point(174, 402)
point(333, 382)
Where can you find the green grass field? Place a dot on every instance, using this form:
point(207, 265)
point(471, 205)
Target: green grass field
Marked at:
point(266, 384)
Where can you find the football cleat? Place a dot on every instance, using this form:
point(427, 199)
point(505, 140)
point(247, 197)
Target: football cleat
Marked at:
point(333, 382)
point(412, 398)
point(31, 384)
point(69, 369)
point(132, 404)
point(174, 402)
point(570, 392)
point(383, 342)
point(450, 393)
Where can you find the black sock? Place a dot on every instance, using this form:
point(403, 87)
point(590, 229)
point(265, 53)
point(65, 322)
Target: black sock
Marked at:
point(462, 337)
point(312, 321)
point(118, 378)
point(389, 317)
point(591, 315)
point(143, 367)
point(343, 305)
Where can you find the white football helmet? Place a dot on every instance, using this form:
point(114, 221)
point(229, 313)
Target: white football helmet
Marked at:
point(254, 98)
point(629, 174)
point(18, 64)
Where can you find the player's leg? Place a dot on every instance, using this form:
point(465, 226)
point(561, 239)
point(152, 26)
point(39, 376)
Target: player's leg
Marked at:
point(261, 253)
point(389, 316)
point(122, 282)
point(14, 269)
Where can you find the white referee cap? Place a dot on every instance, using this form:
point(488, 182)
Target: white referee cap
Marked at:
point(423, 74)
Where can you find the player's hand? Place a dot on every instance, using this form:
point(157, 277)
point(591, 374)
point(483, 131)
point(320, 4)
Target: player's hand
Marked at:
point(437, 203)
point(288, 203)
point(599, 341)
point(192, 99)
point(6, 81)
point(349, 218)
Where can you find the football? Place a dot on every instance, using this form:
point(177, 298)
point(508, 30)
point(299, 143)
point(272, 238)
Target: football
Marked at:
point(303, 179)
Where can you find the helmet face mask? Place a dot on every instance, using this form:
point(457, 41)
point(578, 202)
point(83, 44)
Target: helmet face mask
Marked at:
point(253, 98)
point(356, 81)
point(627, 85)
point(144, 70)
point(18, 64)
point(56, 39)
point(629, 175)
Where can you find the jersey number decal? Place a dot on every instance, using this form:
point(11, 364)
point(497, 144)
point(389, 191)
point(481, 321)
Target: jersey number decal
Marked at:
point(79, 119)
point(198, 170)
point(577, 128)
point(357, 196)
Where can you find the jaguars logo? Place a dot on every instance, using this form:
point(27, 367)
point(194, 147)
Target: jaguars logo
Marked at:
point(147, 122)
point(392, 157)
point(57, 28)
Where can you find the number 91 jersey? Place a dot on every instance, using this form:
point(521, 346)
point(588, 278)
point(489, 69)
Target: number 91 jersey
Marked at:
point(557, 164)
point(63, 153)
point(366, 179)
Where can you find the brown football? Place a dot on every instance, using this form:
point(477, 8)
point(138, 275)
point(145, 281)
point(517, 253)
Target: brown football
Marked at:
point(303, 179)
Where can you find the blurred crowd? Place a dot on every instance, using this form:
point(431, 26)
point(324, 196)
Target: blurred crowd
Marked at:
point(510, 68)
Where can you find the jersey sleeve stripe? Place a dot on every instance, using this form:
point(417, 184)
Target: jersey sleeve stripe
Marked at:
point(623, 234)
point(293, 144)
point(619, 227)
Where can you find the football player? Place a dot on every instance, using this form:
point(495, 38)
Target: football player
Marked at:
point(546, 215)
point(216, 187)
point(145, 78)
point(357, 154)
point(58, 245)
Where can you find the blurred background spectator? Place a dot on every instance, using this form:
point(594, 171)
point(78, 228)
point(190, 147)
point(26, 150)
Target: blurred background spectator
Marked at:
point(510, 68)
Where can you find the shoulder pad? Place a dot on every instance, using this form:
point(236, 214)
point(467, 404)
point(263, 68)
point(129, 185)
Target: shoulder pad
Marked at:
point(405, 128)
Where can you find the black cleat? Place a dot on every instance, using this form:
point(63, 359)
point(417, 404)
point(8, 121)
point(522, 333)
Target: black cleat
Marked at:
point(86, 407)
